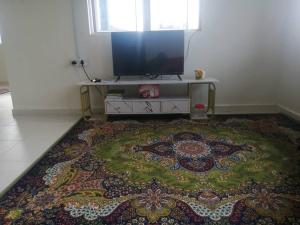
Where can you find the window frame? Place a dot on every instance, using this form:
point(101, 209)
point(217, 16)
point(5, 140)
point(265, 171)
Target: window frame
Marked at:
point(96, 28)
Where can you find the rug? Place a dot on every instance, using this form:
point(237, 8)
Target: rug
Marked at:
point(230, 170)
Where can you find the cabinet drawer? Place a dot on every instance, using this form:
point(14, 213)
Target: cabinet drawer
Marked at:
point(146, 107)
point(118, 107)
point(176, 106)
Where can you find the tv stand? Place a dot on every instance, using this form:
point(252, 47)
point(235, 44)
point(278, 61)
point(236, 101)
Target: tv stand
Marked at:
point(137, 106)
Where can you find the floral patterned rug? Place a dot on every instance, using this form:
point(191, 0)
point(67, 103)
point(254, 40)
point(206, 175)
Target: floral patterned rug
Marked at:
point(230, 170)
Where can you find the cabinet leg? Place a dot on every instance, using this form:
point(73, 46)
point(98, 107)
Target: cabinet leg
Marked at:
point(190, 94)
point(211, 98)
point(86, 109)
point(104, 90)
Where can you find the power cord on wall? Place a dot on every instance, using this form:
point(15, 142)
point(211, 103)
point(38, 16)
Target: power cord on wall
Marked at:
point(82, 63)
point(189, 44)
point(83, 68)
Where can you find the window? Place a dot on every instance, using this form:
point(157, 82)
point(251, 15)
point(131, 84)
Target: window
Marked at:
point(142, 15)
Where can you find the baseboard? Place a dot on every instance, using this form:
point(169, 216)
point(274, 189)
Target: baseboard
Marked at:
point(65, 112)
point(246, 109)
point(289, 112)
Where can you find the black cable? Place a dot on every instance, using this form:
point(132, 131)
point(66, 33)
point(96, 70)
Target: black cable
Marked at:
point(89, 78)
point(188, 47)
point(86, 74)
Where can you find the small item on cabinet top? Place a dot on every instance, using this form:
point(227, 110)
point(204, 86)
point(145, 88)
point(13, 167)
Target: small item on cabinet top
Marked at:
point(96, 80)
point(199, 74)
point(149, 91)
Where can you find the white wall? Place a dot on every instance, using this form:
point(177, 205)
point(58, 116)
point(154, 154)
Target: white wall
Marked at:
point(239, 44)
point(3, 75)
point(228, 47)
point(39, 44)
point(289, 85)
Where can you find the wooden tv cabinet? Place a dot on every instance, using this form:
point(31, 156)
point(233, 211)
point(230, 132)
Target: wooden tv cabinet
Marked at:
point(136, 106)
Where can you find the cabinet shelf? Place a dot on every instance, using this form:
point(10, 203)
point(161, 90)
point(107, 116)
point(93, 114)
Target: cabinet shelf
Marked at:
point(134, 105)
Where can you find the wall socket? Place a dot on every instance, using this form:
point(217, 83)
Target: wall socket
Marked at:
point(77, 62)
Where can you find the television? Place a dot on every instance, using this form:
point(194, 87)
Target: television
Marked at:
point(148, 53)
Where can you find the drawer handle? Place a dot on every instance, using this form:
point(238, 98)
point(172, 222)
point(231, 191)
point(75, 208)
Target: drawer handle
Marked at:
point(175, 107)
point(117, 109)
point(148, 108)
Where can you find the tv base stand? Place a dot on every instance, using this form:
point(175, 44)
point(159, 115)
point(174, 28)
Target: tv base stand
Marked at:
point(179, 77)
point(142, 106)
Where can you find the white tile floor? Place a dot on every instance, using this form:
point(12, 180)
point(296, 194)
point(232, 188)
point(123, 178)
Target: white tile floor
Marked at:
point(24, 139)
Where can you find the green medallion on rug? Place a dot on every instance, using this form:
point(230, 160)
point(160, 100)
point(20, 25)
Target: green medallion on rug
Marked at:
point(241, 170)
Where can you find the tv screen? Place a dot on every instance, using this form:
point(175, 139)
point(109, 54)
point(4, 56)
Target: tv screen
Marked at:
point(148, 53)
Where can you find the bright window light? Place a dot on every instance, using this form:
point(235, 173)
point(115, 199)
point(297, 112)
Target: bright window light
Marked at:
point(193, 15)
point(168, 14)
point(121, 15)
point(0, 40)
point(140, 15)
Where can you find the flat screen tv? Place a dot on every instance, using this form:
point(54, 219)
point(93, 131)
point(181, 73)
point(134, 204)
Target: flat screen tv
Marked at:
point(148, 53)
